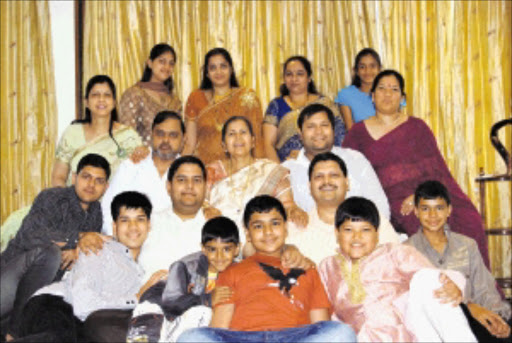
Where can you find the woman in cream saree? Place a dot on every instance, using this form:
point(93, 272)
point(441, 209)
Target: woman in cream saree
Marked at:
point(235, 180)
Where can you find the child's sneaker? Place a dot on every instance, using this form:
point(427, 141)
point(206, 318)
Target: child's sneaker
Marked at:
point(195, 317)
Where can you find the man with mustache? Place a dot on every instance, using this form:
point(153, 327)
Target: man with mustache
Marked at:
point(149, 176)
point(329, 185)
point(316, 125)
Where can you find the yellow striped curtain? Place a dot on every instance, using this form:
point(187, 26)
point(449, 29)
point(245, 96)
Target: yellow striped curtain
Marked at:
point(27, 97)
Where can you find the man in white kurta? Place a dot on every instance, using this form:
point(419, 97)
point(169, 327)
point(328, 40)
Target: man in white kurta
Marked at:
point(317, 135)
point(176, 231)
point(148, 176)
point(329, 187)
point(171, 238)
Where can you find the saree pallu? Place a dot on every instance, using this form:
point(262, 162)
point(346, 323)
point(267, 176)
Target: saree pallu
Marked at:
point(230, 194)
point(138, 109)
point(281, 115)
point(73, 146)
point(211, 116)
point(403, 159)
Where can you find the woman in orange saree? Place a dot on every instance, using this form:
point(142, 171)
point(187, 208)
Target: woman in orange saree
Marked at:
point(218, 98)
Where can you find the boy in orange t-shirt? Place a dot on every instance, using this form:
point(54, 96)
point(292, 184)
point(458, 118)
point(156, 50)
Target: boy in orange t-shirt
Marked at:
point(270, 303)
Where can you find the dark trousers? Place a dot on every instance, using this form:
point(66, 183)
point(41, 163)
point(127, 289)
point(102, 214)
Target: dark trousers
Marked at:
point(22, 276)
point(480, 332)
point(107, 325)
point(48, 318)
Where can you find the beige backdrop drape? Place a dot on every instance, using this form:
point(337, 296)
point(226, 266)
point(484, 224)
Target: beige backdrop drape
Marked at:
point(455, 57)
point(27, 98)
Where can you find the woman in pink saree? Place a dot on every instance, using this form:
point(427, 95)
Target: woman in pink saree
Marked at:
point(404, 153)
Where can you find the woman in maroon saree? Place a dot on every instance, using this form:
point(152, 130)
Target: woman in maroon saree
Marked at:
point(404, 153)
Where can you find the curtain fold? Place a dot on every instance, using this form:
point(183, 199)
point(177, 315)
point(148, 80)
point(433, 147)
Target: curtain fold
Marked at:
point(29, 118)
point(455, 57)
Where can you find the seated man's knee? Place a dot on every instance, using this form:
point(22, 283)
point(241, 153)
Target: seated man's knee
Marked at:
point(196, 335)
point(50, 314)
point(335, 331)
point(424, 280)
point(107, 325)
point(49, 255)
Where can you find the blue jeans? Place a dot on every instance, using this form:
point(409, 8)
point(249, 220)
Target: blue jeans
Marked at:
point(326, 331)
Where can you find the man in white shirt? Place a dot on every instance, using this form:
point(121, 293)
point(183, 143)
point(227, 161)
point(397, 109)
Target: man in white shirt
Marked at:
point(329, 187)
point(176, 230)
point(316, 125)
point(148, 176)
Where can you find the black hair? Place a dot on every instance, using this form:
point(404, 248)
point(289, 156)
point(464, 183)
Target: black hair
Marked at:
point(131, 200)
point(307, 66)
point(389, 72)
point(313, 109)
point(184, 160)
point(262, 204)
point(429, 190)
point(327, 156)
point(221, 228)
point(164, 115)
point(94, 160)
point(357, 209)
point(356, 80)
point(206, 83)
point(156, 51)
point(88, 116)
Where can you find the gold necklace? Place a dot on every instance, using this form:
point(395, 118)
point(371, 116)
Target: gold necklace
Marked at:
point(216, 98)
point(299, 105)
point(352, 277)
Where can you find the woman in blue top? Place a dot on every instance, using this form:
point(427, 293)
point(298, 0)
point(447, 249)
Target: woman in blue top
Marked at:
point(355, 101)
point(280, 131)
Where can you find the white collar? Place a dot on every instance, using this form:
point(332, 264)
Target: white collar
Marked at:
point(198, 217)
point(301, 156)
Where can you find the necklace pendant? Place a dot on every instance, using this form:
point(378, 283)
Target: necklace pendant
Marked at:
point(121, 153)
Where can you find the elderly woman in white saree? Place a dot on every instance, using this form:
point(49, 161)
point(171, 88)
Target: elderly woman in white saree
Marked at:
point(235, 180)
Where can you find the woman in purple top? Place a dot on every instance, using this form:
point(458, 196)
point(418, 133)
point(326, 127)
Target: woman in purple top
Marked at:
point(404, 153)
point(355, 101)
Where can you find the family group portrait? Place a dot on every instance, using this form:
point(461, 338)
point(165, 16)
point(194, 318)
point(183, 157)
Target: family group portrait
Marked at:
point(256, 171)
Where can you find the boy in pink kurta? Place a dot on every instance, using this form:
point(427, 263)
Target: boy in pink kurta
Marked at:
point(371, 287)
